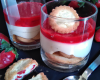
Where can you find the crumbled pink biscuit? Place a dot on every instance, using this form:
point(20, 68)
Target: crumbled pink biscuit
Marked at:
point(59, 19)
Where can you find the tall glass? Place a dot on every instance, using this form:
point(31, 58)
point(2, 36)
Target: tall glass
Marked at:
point(23, 22)
point(67, 52)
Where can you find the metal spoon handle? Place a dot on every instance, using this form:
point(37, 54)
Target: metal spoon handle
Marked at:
point(90, 69)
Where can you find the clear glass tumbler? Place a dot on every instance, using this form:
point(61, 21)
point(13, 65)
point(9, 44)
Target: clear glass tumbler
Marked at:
point(23, 22)
point(67, 52)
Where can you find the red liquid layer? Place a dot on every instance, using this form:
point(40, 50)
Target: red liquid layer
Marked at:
point(83, 32)
point(25, 14)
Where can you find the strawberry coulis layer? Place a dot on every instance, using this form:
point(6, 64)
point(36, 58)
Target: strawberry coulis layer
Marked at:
point(82, 33)
point(25, 14)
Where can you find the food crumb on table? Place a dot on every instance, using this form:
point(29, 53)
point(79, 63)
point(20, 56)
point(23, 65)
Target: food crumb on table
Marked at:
point(47, 71)
point(0, 76)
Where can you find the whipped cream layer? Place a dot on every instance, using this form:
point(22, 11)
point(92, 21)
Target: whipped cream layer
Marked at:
point(77, 49)
point(24, 32)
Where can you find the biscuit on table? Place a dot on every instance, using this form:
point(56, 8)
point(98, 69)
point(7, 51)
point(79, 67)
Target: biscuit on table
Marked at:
point(40, 76)
point(60, 19)
point(21, 68)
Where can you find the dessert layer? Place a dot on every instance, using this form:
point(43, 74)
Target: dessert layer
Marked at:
point(80, 49)
point(25, 32)
point(84, 32)
point(62, 59)
point(25, 14)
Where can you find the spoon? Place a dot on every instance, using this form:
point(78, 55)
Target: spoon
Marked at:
point(87, 72)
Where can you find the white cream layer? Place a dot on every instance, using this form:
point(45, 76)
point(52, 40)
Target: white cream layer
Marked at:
point(25, 32)
point(78, 49)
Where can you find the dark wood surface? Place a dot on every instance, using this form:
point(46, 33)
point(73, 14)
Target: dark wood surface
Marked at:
point(35, 54)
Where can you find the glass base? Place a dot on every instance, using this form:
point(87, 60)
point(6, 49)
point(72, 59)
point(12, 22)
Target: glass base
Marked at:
point(63, 67)
point(26, 47)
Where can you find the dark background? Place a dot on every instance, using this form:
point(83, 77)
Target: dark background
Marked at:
point(35, 54)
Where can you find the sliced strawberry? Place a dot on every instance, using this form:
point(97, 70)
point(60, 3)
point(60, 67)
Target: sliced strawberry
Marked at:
point(7, 56)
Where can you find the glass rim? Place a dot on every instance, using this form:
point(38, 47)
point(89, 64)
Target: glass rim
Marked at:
point(75, 19)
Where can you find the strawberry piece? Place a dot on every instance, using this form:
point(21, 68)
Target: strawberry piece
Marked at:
point(98, 4)
point(21, 72)
point(4, 41)
point(19, 76)
point(7, 56)
point(74, 4)
point(33, 67)
point(2, 36)
point(97, 35)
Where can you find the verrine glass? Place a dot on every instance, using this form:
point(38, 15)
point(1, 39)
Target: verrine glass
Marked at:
point(67, 52)
point(23, 22)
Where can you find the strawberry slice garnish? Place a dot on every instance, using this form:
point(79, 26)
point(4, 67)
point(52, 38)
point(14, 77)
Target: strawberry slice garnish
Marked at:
point(7, 56)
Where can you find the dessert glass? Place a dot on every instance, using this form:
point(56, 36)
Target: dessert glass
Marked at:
point(67, 52)
point(23, 22)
